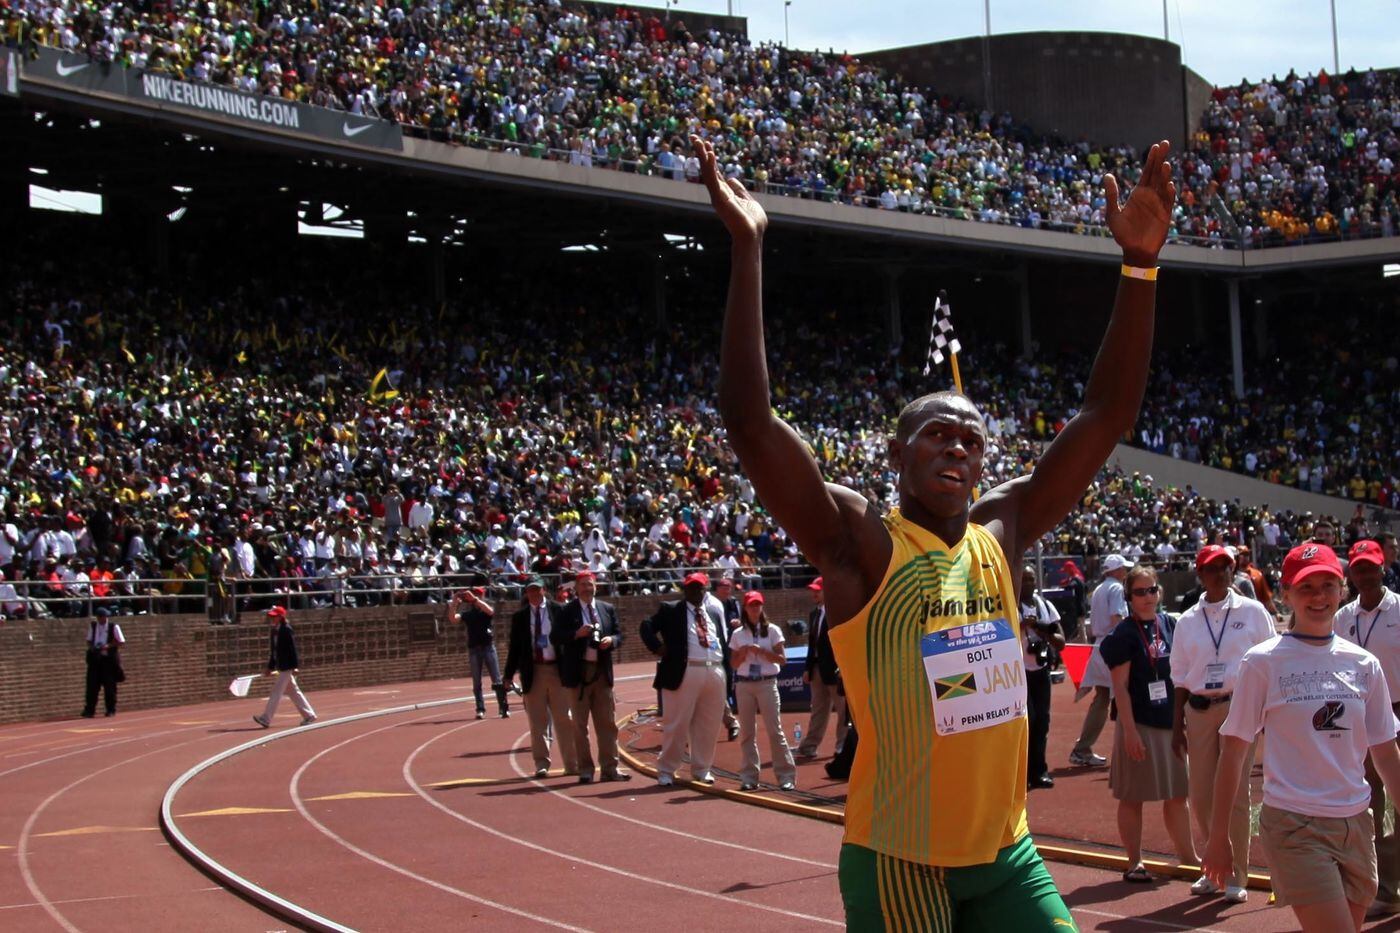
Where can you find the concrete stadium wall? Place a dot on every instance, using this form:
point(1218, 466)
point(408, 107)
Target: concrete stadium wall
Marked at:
point(1222, 484)
point(175, 660)
point(1107, 87)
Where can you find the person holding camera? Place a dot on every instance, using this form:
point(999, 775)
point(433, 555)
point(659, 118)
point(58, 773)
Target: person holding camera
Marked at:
point(481, 645)
point(1040, 632)
point(104, 666)
point(586, 637)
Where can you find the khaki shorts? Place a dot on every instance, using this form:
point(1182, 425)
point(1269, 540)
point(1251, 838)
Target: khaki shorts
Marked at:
point(1315, 859)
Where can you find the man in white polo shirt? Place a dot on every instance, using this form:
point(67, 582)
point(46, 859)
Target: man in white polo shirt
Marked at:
point(1211, 639)
point(1372, 620)
point(1107, 608)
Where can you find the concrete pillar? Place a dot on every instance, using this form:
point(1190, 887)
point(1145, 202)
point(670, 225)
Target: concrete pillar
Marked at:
point(1259, 324)
point(1236, 348)
point(1198, 309)
point(894, 323)
point(1023, 295)
point(658, 294)
point(437, 262)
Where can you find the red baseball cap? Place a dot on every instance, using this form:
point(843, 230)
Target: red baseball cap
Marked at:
point(1308, 559)
point(588, 575)
point(279, 612)
point(703, 579)
point(479, 590)
point(1209, 554)
point(753, 596)
point(815, 585)
point(1368, 552)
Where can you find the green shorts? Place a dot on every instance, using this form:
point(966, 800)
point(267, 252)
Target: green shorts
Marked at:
point(1015, 892)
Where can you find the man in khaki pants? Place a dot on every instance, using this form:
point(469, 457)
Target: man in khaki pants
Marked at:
point(1372, 620)
point(689, 639)
point(585, 639)
point(533, 654)
point(1211, 639)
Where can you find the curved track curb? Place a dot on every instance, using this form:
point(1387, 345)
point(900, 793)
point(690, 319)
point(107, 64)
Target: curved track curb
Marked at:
point(1068, 854)
point(264, 898)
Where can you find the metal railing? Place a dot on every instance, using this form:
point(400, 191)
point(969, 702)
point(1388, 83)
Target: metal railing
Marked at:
point(1263, 238)
point(224, 600)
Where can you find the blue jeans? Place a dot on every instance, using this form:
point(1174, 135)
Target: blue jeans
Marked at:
point(480, 658)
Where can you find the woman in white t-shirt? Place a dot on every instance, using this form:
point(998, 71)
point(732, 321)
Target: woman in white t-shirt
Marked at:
point(756, 653)
point(1325, 705)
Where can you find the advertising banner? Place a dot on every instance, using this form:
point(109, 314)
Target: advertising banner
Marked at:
point(257, 110)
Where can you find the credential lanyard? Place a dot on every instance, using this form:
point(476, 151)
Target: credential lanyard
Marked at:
point(1214, 639)
point(1375, 616)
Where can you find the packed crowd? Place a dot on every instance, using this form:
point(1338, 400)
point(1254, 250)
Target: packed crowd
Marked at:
point(1297, 158)
point(201, 440)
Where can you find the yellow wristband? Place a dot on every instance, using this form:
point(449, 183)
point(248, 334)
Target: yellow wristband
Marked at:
point(1138, 272)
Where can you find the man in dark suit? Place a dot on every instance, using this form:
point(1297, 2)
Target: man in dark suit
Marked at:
point(691, 643)
point(824, 678)
point(585, 639)
point(532, 652)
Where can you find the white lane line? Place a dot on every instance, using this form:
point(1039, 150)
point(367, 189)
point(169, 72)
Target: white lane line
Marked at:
point(26, 873)
point(588, 862)
point(520, 743)
point(295, 788)
point(109, 897)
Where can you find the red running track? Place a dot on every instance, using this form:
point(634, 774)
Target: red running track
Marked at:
point(427, 819)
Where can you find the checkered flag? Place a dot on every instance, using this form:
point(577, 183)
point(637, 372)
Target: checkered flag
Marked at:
point(940, 334)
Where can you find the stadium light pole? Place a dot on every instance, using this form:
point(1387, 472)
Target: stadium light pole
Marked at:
point(987, 54)
point(1336, 58)
point(1166, 28)
point(787, 42)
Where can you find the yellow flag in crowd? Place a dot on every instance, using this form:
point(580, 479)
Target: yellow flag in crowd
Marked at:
point(377, 394)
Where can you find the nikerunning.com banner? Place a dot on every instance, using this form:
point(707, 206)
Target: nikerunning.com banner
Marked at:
point(82, 73)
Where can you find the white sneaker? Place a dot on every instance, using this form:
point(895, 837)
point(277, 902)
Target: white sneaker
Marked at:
point(1087, 760)
point(1204, 885)
point(1236, 894)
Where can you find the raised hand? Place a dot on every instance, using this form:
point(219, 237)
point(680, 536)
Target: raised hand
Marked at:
point(1140, 224)
point(739, 210)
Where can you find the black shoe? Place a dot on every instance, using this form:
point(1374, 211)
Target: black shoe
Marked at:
point(110, 712)
point(585, 779)
point(733, 733)
point(87, 715)
point(1044, 782)
point(481, 714)
point(618, 776)
point(505, 714)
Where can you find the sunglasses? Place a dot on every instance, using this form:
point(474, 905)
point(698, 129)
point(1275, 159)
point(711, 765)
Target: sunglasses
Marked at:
point(1146, 590)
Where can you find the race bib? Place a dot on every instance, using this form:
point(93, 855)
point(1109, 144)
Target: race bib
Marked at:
point(976, 675)
point(1215, 677)
point(1157, 692)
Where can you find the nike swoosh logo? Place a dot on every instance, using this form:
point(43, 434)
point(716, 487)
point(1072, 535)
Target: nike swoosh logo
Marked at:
point(353, 131)
point(66, 70)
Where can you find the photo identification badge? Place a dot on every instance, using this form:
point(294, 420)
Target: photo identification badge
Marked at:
point(976, 674)
point(1215, 676)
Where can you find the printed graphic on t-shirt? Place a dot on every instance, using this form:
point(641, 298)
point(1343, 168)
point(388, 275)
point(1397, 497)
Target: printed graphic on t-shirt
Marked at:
point(1326, 719)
